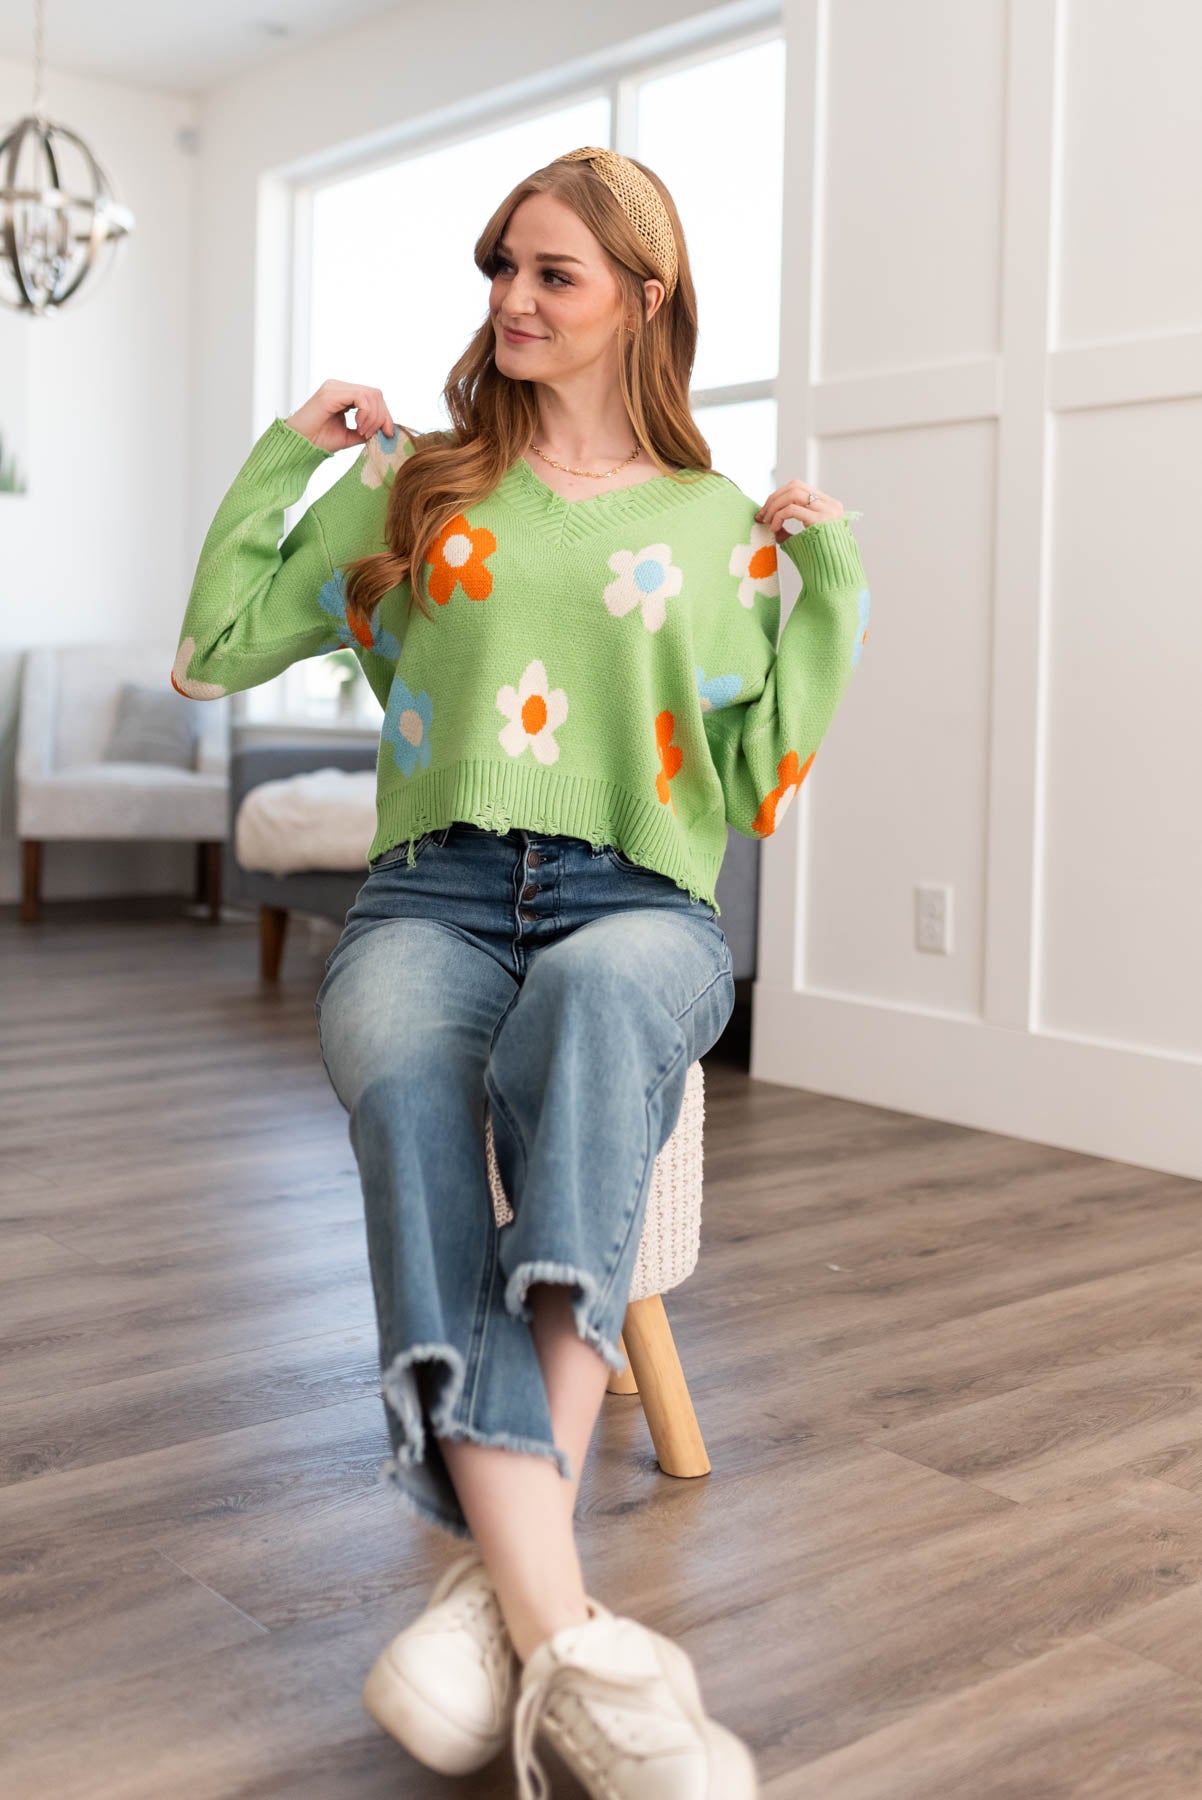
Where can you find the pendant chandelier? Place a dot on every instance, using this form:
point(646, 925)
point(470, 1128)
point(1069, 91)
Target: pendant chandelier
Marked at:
point(59, 222)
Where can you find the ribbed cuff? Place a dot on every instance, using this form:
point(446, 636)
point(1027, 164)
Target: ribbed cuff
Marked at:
point(283, 449)
point(827, 555)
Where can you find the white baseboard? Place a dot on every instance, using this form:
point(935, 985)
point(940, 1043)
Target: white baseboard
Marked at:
point(1122, 1102)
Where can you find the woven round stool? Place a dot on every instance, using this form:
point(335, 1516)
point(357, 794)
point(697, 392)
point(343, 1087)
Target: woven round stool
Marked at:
point(667, 1253)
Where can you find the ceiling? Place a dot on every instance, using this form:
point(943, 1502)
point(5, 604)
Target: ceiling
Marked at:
point(172, 44)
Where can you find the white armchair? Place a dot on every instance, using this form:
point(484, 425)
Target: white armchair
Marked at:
point(64, 790)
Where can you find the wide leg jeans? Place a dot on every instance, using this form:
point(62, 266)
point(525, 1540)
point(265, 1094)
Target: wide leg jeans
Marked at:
point(569, 990)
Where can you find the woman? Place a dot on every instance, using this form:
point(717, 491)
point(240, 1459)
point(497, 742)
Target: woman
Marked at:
point(538, 933)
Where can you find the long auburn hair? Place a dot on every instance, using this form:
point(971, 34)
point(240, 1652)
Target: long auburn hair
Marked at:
point(495, 416)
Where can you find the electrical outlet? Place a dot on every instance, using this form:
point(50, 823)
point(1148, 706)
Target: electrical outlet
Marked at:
point(933, 917)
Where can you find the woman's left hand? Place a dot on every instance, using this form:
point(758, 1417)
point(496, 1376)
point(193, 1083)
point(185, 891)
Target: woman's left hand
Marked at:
point(789, 502)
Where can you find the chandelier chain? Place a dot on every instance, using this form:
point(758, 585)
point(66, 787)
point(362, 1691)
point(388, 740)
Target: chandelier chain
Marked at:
point(39, 52)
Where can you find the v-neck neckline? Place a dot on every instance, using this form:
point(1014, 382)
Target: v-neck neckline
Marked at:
point(530, 495)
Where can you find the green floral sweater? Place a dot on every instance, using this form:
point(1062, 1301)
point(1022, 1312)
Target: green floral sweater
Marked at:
point(604, 668)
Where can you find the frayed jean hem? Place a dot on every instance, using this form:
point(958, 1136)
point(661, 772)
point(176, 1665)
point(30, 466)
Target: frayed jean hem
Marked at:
point(390, 1474)
point(398, 1384)
point(527, 1273)
point(505, 1440)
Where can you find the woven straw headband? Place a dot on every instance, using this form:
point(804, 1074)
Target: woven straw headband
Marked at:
point(642, 203)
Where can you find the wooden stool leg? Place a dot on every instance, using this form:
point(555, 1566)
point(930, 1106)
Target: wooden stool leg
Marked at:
point(624, 1383)
point(273, 925)
point(648, 1344)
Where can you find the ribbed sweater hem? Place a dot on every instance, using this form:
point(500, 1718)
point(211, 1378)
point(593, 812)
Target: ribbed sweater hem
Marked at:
point(283, 447)
point(499, 796)
point(827, 555)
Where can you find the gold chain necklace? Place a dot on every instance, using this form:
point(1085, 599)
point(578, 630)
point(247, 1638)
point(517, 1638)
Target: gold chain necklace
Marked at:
point(590, 472)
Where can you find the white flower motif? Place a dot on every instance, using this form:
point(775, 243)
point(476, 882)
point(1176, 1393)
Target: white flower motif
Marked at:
point(785, 801)
point(533, 713)
point(755, 563)
point(383, 456)
point(195, 690)
point(645, 578)
point(457, 550)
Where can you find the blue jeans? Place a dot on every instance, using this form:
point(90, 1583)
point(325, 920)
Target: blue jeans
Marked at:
point(570, 988)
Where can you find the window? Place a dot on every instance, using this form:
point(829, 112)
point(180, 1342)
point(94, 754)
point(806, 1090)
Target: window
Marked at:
point(713, 128)
point(393, 293)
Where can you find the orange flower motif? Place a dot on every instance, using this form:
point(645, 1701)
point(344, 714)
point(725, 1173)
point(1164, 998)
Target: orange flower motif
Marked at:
point(774, 806)
point(457, 556)
point(761, 565)
point(757, 566)
point(670, 756)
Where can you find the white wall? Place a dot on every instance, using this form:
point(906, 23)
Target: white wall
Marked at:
point(99, 548)
point(997, 346)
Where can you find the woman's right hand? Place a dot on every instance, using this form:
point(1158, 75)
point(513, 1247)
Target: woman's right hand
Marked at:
point(321, 418)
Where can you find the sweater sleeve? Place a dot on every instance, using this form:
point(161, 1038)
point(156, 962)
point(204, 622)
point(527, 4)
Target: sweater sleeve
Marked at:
point(764, 738)
point(258, 605)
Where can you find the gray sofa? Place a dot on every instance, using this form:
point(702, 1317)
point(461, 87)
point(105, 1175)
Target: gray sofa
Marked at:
point(330, 893)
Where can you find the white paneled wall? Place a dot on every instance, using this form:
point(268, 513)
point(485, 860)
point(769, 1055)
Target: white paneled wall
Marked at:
point(1119, 957)
point(993, 347)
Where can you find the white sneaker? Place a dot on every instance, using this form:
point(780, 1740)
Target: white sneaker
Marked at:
point(621, 1705)
point(446, 1687)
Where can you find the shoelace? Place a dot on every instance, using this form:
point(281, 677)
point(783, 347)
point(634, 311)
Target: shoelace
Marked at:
point(630, 1689)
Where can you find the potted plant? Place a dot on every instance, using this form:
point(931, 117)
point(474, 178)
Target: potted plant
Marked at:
point(11, 479)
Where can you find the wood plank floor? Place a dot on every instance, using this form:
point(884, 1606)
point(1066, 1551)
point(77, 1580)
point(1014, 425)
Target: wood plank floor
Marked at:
point(950, 1384)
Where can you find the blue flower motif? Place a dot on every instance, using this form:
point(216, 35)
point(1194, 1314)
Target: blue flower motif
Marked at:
point(857, 649)
point(718, 691)
point(332, 599)
point(407, 726)
point(382, 457)
point(648, 574)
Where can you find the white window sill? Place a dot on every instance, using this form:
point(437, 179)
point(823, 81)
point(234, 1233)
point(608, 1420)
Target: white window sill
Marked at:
point(302, 725)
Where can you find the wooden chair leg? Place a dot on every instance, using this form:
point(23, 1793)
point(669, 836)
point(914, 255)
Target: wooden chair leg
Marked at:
point(624, 1383)
point(31, 857)
point(648, 1344)
point(212, 879)
point(273, 926)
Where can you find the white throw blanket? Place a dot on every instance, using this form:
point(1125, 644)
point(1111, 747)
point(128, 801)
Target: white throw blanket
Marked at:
point(323, 820)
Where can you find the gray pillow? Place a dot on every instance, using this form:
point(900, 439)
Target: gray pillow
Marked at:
point(153, 725)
